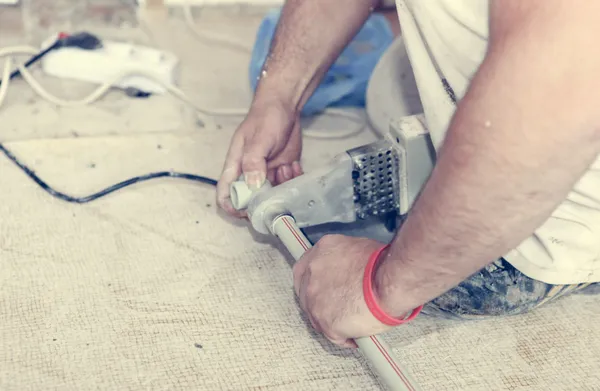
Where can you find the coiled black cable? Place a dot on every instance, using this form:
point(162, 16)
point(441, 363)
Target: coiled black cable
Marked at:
point(88, 41)
point(111, 189)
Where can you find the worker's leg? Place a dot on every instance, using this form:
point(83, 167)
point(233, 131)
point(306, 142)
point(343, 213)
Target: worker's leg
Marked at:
point(498, 290)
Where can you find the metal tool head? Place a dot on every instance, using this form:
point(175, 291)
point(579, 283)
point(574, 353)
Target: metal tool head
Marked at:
point(376, 180)
point(375, 176)
point(358, 184)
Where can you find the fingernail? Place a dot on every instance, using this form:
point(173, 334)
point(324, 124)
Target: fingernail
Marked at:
point(286, 172)
point(254, 180)
point(297, 168)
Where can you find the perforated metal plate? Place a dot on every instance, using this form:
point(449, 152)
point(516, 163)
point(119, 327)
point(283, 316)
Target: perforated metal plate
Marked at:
point(376, 182)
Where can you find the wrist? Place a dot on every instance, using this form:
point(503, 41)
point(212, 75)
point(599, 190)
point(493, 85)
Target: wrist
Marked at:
point(389, 287)
point(277, 92)
point(382, 285)
point(386, 313)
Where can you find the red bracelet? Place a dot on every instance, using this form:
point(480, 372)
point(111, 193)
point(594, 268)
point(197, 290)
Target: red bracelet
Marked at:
point(369, 295)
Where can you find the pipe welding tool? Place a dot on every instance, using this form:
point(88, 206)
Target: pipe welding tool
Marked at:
point(375, 181)
point(371, 181)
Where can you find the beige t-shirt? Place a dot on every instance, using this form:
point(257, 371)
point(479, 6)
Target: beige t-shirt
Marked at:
point(446, 42)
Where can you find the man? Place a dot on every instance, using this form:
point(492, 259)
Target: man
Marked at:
point(510, 217)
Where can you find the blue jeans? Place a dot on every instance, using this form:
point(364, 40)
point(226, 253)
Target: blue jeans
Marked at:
point(499, 289)
point(496, 290)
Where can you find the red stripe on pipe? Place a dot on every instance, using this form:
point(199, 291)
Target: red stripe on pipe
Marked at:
point(381, 349)
point(293, 231)
point(393, 364)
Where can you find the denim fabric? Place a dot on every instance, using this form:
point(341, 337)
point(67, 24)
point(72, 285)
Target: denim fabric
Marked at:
point(499, 290)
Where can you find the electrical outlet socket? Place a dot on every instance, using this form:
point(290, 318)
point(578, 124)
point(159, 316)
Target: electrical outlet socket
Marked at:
point(104, 64)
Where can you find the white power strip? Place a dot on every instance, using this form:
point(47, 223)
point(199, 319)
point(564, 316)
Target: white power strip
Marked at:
point(114, 58)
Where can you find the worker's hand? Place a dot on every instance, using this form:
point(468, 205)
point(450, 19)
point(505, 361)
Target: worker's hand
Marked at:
point(328, 280)
point(267, 145)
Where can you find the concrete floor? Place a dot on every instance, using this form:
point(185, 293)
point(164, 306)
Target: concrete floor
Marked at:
point(153, 289)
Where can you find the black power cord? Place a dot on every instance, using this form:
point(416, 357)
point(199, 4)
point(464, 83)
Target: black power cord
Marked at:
point(88, 41)
point(82, 200)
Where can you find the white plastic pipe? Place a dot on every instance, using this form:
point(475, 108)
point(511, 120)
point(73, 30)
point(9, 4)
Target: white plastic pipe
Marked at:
point(373, 348)
point(241, 194)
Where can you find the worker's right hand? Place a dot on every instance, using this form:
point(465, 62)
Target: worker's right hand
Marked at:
point(267, 145)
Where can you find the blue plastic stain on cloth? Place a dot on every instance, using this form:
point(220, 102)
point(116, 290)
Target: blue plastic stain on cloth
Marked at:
point(345, 84)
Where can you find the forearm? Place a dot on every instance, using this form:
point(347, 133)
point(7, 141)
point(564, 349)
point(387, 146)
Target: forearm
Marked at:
point(310, 36)
point(520, 139)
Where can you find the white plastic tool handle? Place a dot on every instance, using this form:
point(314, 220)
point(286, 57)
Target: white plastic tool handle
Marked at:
point(373, 348)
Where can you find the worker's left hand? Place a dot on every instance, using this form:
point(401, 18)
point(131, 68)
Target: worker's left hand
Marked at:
point(329, 283)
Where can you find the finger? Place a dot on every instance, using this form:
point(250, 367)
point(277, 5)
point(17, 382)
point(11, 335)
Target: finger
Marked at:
point(254, 162)
point(334, 339)
point(278, 176)
point(298, 271)
point(231, 172)
point(285, 173)
point(339, 341)
point(314, 322)
point(297, 169)
point(272, 175)
point(344, 343)
point(303, 299)
point(229, 175)
point(350, 344)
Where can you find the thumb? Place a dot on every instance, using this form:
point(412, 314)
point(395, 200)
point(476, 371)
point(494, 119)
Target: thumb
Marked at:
point(254, 163)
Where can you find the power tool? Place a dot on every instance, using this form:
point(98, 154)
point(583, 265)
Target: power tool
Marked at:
point(374, 183)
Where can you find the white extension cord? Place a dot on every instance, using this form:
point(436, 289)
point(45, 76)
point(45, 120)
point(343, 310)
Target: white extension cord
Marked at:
point(99, 65)
point(96, 94)
point(10, 52)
